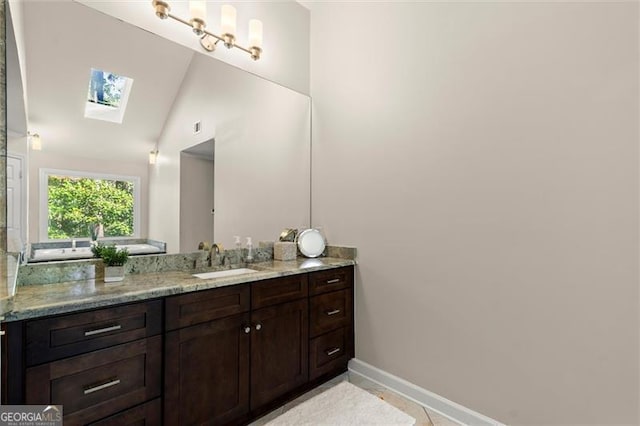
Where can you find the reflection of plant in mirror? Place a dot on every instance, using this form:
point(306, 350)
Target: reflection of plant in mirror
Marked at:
point(76, 205)
point(110, 255)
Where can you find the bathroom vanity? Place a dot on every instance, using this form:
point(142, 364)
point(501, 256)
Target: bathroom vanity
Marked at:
point(173, 349)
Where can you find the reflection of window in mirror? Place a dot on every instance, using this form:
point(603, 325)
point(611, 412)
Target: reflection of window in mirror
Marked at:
point(88, 205)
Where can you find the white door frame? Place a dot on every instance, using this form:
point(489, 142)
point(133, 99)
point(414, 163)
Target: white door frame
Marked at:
point(24, 220)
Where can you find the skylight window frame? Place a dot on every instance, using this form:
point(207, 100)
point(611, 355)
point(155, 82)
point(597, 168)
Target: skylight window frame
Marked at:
point(113, 114)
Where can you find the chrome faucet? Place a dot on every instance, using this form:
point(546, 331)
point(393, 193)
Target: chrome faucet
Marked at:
point(73, 244)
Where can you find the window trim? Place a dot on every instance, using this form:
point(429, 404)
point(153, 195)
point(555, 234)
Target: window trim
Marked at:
point(43, 225)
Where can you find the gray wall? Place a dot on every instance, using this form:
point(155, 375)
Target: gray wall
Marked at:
point(262, 155)
point(196, 202)
point(483, 157)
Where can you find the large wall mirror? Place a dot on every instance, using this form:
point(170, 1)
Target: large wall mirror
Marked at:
point(233, 149)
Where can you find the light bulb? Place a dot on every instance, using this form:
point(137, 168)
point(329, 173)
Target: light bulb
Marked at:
point(228, 23)
point(36, 142)
point(198, 9)
point(255, 33)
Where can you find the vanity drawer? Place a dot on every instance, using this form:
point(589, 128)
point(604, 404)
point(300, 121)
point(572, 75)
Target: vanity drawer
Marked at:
point(149, 414)
point(101, 383)
point(202, 306)
point(330, 352)
point(330, 311)
point(278, 290)
point(330, 280)
point(68, 335)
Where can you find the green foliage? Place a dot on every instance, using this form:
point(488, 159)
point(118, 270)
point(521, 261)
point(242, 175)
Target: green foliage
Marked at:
point(113, 89)
point(110, 255)
point(76, 205)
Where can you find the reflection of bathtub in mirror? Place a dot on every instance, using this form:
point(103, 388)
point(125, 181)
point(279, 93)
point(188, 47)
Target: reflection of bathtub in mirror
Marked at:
point(64, 250)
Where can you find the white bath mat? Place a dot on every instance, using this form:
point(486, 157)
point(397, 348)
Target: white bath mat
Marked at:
point(343, 404)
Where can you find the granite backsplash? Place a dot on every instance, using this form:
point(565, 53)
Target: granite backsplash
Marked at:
point(77, 270)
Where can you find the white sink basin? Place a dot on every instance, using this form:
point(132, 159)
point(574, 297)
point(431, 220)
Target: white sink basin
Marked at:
point(228, 273)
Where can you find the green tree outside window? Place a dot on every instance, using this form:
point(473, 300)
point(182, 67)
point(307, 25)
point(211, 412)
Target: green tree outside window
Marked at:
point(78, 204)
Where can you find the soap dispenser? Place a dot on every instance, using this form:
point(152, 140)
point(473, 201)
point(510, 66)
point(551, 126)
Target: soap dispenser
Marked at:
point(249, 250)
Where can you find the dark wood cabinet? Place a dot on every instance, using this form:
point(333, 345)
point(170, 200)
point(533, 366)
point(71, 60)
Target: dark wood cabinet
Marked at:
point(219, 371)
point(148, 414)
point(330, 311)
point(279, 350)
point(67, 335)
point(330, 280)
point(207, 372)
point(207, 356)
point(100, 383)
point(210, 357)
point(331, 321)
point(331, 351)
point(202, 306)
point(278, 290)
point(99, 364)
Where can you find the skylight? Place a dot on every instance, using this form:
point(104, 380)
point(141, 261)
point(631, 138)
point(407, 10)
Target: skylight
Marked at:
point(107, 96)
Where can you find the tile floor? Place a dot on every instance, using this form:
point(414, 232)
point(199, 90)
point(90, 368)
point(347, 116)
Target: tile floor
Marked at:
point(423, 415)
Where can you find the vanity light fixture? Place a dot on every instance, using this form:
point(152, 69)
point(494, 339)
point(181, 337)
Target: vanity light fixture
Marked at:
point(36, 142)
point(209, 40)
point(153, 156)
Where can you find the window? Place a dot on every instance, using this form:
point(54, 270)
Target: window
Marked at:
point(82, 205)
point(107, 96)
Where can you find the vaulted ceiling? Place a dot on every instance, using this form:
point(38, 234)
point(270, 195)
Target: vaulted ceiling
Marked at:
point(63, 41)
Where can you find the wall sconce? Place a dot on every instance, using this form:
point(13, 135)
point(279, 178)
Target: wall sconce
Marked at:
point(153, 156)
point(36, 142)
point(209, 40)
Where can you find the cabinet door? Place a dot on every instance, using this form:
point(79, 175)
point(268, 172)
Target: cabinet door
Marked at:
point(207, 372)
point(279, 350)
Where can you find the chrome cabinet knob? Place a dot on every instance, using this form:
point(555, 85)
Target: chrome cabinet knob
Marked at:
point(246, 329)
point(258, 326)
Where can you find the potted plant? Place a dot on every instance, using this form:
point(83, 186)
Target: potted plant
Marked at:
point(113, 260)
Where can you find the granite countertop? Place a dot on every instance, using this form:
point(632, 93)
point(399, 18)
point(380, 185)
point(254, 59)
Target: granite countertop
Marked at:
point(34, 301)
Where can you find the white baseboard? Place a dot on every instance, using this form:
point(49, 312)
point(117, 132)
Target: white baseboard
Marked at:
point(449, 409)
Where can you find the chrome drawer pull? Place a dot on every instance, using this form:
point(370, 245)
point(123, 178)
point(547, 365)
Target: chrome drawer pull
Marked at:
point(103, 386)
point(102, 330)
point(333, 351)
point(332, 312)
point(333, 281)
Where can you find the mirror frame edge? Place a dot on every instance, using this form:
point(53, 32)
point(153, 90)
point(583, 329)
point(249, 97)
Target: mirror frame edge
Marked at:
point(3, 131)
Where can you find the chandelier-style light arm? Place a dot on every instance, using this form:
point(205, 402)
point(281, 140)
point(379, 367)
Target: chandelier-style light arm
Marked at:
point(163, 11)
